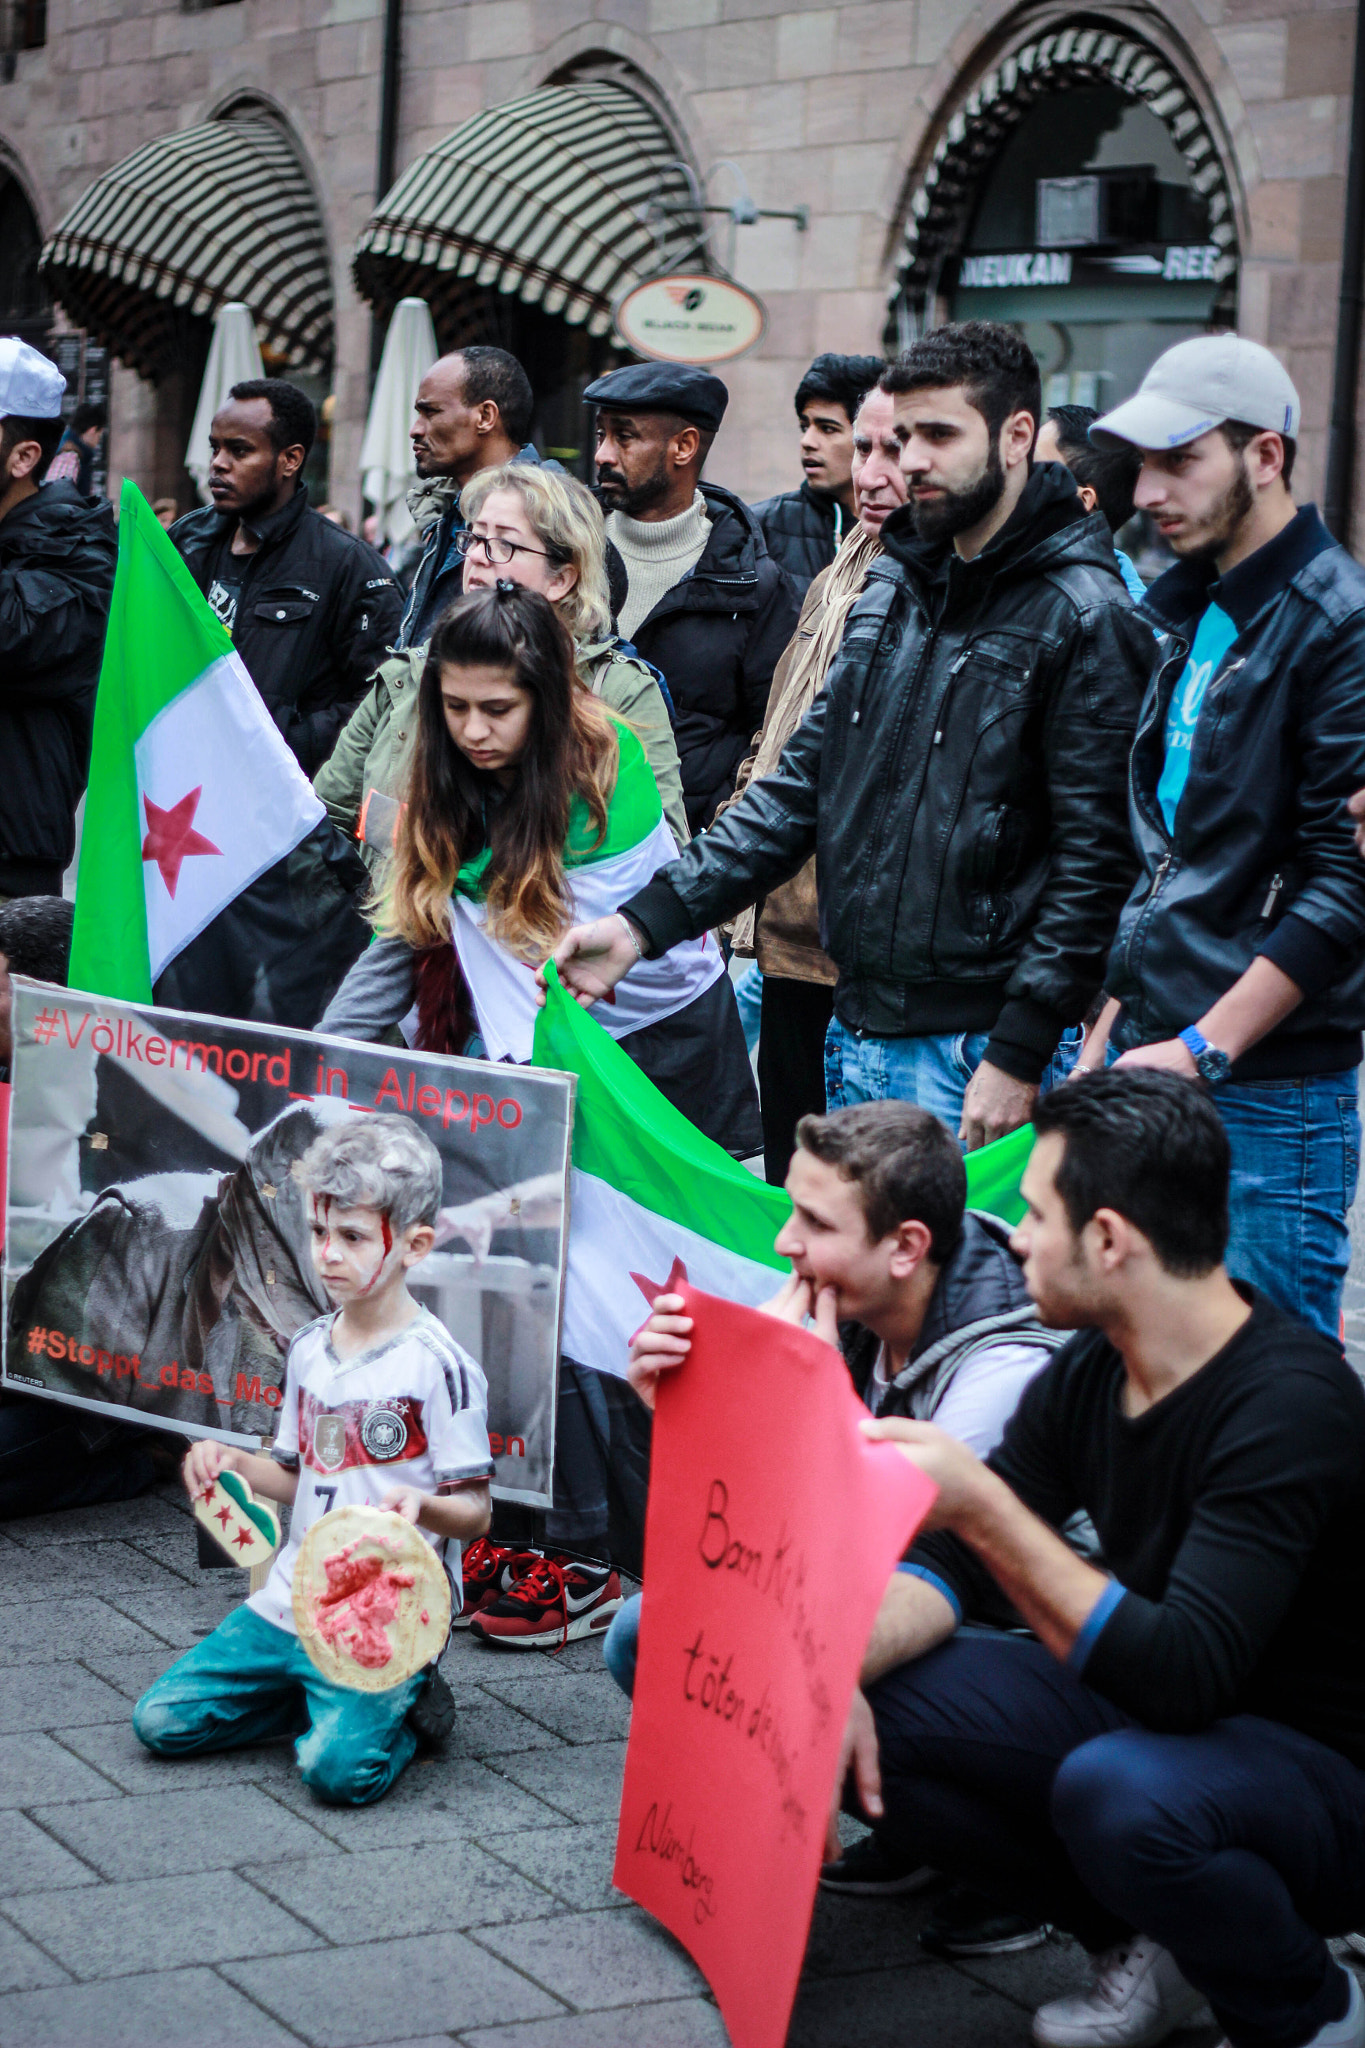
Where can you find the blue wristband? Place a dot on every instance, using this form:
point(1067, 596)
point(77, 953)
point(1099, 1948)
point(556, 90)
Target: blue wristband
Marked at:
point(1092, 1627)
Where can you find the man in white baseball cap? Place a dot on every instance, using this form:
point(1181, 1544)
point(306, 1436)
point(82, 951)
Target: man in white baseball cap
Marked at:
point(57, 552)
point(1240, 954)
point(1200, 384)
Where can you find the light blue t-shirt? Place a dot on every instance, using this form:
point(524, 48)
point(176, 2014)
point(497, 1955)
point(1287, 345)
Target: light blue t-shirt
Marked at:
point(1213, 637)
point(1134, 584)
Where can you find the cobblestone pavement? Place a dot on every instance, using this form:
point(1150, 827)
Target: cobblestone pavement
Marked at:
point(214, 1904)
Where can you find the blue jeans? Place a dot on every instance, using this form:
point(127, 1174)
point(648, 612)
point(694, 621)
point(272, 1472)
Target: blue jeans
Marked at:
point(1238, 1848)
point(749, 1002)
point(1295, 1161)
point(933, 1072)
point(249, 1681)
point(621, 1645)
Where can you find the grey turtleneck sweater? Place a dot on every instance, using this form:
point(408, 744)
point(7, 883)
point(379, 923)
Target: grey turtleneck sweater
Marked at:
point(657, 553)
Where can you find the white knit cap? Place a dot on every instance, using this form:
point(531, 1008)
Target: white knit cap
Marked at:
point(31, 386)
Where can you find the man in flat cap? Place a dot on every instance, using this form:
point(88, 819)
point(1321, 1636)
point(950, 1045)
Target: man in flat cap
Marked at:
point(57, 554)
point(706, 602)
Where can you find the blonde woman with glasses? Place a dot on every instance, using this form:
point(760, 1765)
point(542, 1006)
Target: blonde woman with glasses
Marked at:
point(543, 531)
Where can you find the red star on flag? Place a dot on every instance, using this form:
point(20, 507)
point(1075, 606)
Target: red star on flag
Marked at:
point(171, 836)
point(244, 1539)
point(649, 1288)
point(224, 1515)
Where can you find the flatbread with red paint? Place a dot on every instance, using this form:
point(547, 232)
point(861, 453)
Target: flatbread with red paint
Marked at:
point(371, 1598)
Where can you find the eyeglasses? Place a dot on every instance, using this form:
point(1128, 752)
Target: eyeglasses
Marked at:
point(496, 552)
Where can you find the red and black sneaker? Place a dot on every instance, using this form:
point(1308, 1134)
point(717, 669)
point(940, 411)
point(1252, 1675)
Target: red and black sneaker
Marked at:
point(488, 1570)
point(558, 1599)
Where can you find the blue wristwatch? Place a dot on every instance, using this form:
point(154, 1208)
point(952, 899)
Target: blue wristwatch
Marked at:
point(1213, 1066)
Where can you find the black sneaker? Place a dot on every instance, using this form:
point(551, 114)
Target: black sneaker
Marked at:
point(431, 1716)
point(870, 1871)
point(967, 1923)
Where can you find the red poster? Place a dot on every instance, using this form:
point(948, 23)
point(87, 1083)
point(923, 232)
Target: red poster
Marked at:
point(773, 1527)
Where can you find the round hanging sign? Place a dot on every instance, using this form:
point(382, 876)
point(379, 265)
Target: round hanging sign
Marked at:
point(690, 319)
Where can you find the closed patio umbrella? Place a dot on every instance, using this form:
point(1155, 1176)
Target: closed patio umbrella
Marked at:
point(386, 471)
point(234, 358)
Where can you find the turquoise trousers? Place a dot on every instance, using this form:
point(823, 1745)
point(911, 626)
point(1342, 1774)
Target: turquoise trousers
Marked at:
point(249, 1681)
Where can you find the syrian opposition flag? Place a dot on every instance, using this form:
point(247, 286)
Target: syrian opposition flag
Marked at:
point(193, 793)
point(648, 1189)
point(599, 878)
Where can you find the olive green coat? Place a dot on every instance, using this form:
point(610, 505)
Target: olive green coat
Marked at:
point(362, 782)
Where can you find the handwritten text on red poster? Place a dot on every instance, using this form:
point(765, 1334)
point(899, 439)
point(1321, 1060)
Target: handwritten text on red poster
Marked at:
point(773, 1527)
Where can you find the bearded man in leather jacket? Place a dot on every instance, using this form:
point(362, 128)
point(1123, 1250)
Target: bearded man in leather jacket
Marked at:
point(962, 778)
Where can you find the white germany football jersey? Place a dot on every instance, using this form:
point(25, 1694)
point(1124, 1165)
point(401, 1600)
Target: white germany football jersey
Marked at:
point(412, 1411)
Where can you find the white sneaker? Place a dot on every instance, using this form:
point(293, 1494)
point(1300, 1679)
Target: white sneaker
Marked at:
point(1136, 1997)
point(1349, 2030)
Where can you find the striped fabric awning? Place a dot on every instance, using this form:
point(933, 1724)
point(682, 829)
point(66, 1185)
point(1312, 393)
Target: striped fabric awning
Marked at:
point(542, 198)
point(222, 211)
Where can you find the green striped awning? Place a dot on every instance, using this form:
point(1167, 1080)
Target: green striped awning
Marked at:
point(222, 211)
point(543, 198)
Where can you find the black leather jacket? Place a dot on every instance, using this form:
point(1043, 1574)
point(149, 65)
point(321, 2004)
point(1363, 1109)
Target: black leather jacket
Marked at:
point(57, 555)
point(317, 610)
point(803, 529)
point(1262, 861)
point(961, 780)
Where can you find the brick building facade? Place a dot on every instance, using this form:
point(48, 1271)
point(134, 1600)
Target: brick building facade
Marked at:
point(892, 121)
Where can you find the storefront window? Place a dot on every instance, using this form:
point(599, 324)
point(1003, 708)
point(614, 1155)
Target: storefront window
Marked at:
point(1090, 236)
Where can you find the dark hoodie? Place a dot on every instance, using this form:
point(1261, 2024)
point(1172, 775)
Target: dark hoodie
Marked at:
point(717, 636)
point(962, 781)
point(57, 555)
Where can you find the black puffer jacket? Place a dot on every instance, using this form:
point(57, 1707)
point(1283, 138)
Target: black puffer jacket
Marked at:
point(57, 555)
point(803, 529)
point(717, 636)
point(1263, 859)
point(317, 611)
point(961, 780)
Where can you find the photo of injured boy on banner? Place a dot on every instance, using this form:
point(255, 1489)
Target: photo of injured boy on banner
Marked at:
point(157, 1242)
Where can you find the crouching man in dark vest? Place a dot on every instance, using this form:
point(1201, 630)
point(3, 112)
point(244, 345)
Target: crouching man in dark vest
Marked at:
point(928, 1304)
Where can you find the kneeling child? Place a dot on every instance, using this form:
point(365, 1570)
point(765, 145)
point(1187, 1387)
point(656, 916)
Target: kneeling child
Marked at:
point(381, 1408)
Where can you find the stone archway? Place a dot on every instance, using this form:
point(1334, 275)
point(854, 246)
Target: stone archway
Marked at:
point(25, 306)
point(1080, 52)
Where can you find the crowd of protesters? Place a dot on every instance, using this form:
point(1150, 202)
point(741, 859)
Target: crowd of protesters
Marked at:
point(1008, 836)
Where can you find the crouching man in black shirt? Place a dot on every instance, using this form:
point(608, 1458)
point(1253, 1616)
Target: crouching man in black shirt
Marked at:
point(1172, 1765)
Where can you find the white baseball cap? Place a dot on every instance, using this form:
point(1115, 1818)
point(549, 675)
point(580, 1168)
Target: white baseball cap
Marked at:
point(1197, 385)
point(31, 386)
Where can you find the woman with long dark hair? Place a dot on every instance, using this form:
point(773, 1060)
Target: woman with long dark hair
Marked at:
point(544, 531)
point(530, 808)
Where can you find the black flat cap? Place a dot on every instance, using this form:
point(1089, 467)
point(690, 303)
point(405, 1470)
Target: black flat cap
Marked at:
point(695, 395)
